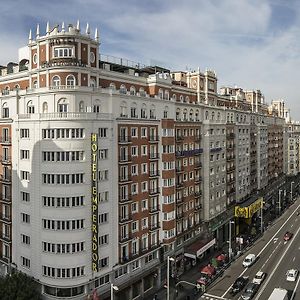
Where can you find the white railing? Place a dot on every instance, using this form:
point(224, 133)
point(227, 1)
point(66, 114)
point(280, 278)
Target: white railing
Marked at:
point(67, 115)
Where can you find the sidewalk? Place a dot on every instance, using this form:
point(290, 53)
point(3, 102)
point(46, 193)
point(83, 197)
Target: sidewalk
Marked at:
point(191, 276)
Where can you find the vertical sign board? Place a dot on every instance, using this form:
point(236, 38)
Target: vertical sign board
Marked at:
point(94, 201)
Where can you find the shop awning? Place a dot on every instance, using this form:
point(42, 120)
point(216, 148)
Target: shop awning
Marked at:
point(208, 270)
point(198, 247)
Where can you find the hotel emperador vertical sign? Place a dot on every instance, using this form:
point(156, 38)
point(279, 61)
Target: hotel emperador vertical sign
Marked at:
point(94, 201)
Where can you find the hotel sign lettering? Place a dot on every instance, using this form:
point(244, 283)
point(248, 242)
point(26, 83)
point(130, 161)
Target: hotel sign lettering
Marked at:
point(94, 201)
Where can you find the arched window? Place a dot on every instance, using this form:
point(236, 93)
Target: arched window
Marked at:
point(62, 105)
point(218, 117)
point(167, 95)
point(191, 115)
point(160, 94)
point(112, 86)
point(97, 107)
point(142, 92)
point(81, 106)
point(123, 110)
point(56, 80)
point(213, 115)
point(35, 84)
point(45, 107)
point(166, 111)
point(181, 98)
point(5, 110)
point(132, 90)
point(123, 89)
point(17, 87)
point(187, 99)
point(70, 80)
point(30, 107)
point(144, 111)
point(174, 97)
point(133, 110)
point(152, 112)
point(92, 82)
point(185, 115)
point(197, 115)
point(206, 115)
point(178, 117)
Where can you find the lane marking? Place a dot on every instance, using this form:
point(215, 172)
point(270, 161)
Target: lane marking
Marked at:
point(275, 240)
point(265, 246)
point(294, 258)
point(274, 269)
point(295, 289)
point(217, 297)
point(292, 225)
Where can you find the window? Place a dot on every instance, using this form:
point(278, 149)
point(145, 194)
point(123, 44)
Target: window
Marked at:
point(25, 175)
point(70, 80)
point(5, 111)
point(25, 218)
point(25, 239)
point(103, 240)
point(24, 133)
point(103, 153)
point(24, 154)
point(144, 132)
point(63, 52)
point(25, 196)
point(25, 262)
point(103, 132)
point(103, 218)
point(103, 262)
point(56, 81)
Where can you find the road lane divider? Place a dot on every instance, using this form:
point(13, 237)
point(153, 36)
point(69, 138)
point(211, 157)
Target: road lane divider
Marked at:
point(274, 269)
point(263, 249)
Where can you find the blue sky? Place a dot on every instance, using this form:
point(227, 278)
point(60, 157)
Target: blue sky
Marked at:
point(254, 44)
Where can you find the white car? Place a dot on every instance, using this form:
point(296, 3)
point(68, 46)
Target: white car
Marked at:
point(259, 277)
point(249, 260)
point(291, 275)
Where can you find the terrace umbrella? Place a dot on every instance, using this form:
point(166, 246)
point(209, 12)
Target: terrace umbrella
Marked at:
point(208, 270)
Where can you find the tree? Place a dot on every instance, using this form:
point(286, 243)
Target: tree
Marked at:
point(18, 286)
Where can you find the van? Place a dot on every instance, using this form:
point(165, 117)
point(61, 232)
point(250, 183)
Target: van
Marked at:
point(249, 260)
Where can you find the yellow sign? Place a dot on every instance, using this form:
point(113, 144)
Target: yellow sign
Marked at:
point(248, 211)
point(94, 201)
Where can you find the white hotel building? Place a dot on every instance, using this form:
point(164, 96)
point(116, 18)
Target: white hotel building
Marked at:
point(157, 184)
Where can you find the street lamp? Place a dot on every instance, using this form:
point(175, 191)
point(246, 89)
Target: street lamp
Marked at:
point(230, 247)
point(168, 276)
point(292, 190)
point(112, 289)
point(261, 217)
point(279, 200)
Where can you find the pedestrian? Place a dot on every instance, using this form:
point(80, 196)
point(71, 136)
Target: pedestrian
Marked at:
point(155, 297)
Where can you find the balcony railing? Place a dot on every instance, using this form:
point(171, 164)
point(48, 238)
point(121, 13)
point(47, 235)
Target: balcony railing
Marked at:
point(125, 238)
point(5, 178)
point(5, 140)
point(125, 198)
point(124, 158)
point(153, 138)
point(153, 155)
point(154, 173)
point(154, 209)
point(125, 218)
point(124, 139)
point(154, 226)
point(125, 178)
point(5, 159)
point(154, 191)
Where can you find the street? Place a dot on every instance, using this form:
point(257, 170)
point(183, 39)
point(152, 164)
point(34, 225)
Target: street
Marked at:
point(275, 257)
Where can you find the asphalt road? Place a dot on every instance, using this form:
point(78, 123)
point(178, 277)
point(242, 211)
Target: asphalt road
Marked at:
point(275, 257)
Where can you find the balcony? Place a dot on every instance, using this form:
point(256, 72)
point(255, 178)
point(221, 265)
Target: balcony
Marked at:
point(230, 158)
point(125, 179)
point(197, 138)
point(125, 199)
point(179, 169)
point(5, 238)
point(123, 139)
point(179, 199)
point(154, 173)
point(5, 159)
point(198, 179)
point(154, 226)
point(5, 218)
point(153, 155)
point(125, 238)
point(153, 138)
point(5, 198)
point(197, 165)
point(5, 140)
point(179, 215)
point(179, 185)
point(124, 158)
point(154, 191)
point(179, 138)
point(154, 209)
point(230, 135)
point(5, 178)
point(125, 218)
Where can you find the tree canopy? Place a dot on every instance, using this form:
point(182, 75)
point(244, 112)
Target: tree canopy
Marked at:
point(18, 286)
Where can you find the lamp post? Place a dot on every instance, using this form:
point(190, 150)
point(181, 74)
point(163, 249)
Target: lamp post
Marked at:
point(261, 217)
point(168, 276)
point(229, 241)
point(279, 200)
point(292, 190)
point(112, 289)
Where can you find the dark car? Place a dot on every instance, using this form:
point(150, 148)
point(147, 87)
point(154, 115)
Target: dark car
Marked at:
point(250, 291)
point(287, 236)
point(238, 285)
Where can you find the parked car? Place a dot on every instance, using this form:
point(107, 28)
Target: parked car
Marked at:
point(259, 277)
point(250, 291)
point(287, 236)
point(292, 274)
point(249, 260)
point(238, 285)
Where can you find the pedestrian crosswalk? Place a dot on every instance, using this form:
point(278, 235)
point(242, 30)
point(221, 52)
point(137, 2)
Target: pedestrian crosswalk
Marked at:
point(207, 296)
